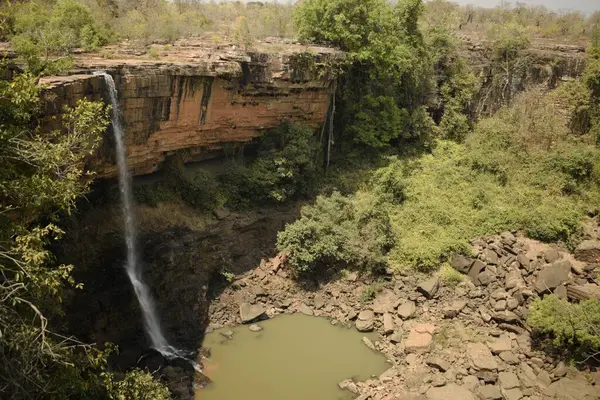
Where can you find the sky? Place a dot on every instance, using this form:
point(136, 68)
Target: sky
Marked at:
point(586, 6)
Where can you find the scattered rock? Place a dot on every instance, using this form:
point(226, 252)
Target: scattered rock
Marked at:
point(509, 357)
point(470, 382)
point(451, 391)
point(396, 337)
point(552, 276)
point(368, 343)
point(406, 310)
point(461, 263)
point(228, 334)
point(388, 323)
point(306, 310)
point(489, 392)
point(384, 302)
point(438, 363)
point(512, 394)
point(420, 337)
point(250, 312)
point(503, 343)
point(255, 328)
point(543, 379)
point(438, 380)
point(508, 380)
point(319, 301)
point(454, 309)
point(365, 321)
point(485, 278)
point(348, 384)
point(588, 251)
point(429, 287)
point(476, 269)
point(480, 357)
point(490, 256)
point(571, 389)
point(551, 255)
point(500, 305)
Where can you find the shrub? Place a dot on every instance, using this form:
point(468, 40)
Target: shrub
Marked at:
point(449, 276)
point(286, 167)
point(569, 324)
point(135, 385)
point(338, 231)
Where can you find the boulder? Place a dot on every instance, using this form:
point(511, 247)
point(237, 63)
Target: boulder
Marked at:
point(250, 312)
point(461, 263)
point(319, 301)
point(480, 357)
point(551, 255)
point(503, 343)
point(255, 328)
point(406, 310)
point(365, 321)
point(420, 337)
point(385, 301)
point(570, 389)
point(429, 287)
point(438, 363)
point(304, 309)
point(512, 394)
point(368, 343)
point(588, 251)
point(509, 357)
point(508, 380)
point(388, 324)
point(454, 309)
point(489, 392)
point(552, 276)
point(490, 256)
point(485, 278)
point(451, 391)
point(476, 269)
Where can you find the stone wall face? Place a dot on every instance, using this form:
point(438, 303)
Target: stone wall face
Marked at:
point(194, 110)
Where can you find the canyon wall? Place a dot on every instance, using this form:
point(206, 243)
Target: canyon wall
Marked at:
point(200, 97)
point(198, 100)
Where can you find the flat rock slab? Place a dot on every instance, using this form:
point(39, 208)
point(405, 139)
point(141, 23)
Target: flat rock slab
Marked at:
point(406, 310)
point(429, 287)
point(449, 392)
point(385, 301)
point(503, 343)
point(480, 357)
point(250, 312)
point(489, 392)
point(306, 310)
point(588, 251)
point(508, 380)
point(570, 389)
point(552, 276)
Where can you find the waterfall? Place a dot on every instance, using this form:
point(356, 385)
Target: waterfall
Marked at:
point(151, 320)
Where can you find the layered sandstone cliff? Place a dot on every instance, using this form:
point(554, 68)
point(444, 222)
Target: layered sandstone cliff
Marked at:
point(199, 98)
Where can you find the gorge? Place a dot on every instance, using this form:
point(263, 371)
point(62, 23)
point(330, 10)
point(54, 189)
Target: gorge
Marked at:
point(333, 199)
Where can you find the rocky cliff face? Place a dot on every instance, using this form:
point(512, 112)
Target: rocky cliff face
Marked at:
point(199, 98)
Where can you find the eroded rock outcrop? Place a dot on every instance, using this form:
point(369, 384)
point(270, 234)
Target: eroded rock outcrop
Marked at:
point(200, 97)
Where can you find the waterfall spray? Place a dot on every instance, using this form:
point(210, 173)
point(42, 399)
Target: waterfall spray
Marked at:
point(151, 320)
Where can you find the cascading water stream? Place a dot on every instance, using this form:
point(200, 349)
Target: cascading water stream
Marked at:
point(151, 320)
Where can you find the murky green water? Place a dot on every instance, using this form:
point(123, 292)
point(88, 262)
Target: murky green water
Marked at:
point(295, 357)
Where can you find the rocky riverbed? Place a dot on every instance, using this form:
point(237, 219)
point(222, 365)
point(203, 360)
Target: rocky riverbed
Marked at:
point(464, 341)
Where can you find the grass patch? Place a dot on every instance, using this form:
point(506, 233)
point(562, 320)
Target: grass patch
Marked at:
point(449, 276)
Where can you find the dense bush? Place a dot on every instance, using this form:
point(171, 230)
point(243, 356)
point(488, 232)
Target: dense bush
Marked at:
point(570, 324)
point(135, 385)
point(286, 166)
point(341, 231)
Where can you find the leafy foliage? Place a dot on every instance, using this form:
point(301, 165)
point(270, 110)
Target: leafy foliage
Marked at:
point(338, 231)
point(569, 324)
point(43, 32)
point(285, 168)
point(135, 385)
